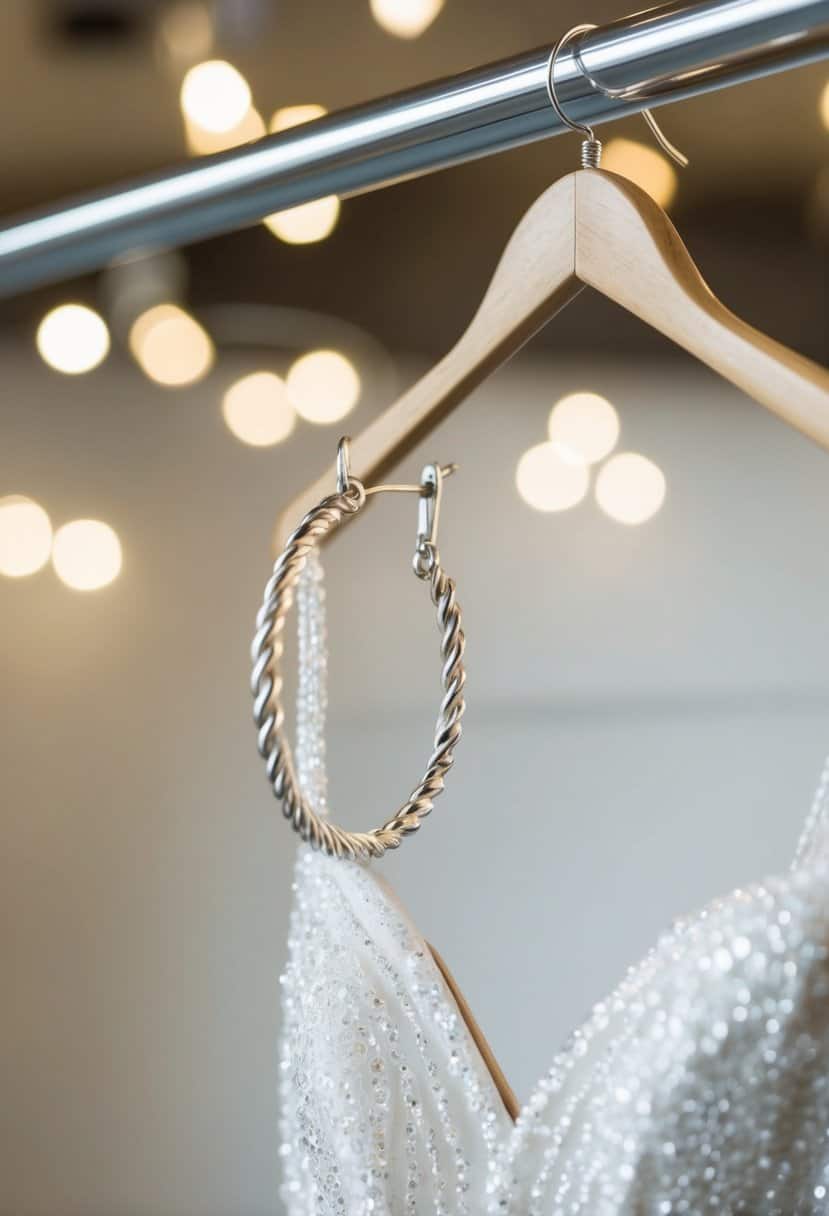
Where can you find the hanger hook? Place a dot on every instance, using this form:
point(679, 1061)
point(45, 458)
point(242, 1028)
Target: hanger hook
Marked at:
point(591, 148)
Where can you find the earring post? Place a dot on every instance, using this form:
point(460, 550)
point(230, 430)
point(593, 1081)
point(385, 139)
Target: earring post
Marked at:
point(424, 490)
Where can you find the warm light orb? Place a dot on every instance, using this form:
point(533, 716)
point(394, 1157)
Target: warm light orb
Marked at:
point(258, 411)
point(323, 386)
point(405, 18)
point(25, 536)
point(294, 116)
point(642, 165)
point(86, 554)
point(201, 142)
point(583, 428)
point(307, 222)
point(215, 96)
point(823, 105)
point(549, 483)
point(170, 346)
point(630, 488)
point(73, 339)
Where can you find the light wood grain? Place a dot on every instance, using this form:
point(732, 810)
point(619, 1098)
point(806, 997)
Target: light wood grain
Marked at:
point(628, 249)
point(590, 228)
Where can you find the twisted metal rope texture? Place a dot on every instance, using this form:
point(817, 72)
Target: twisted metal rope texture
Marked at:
point(266, 686)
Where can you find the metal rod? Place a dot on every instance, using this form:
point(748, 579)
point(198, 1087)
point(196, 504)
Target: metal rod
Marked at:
point(667, 53)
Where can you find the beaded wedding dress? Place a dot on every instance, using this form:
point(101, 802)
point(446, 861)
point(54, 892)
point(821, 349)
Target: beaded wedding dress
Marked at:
point(700, 1086)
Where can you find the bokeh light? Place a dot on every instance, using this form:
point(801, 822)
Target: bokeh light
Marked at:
point(549, 483)
point(202, 143)
point(86, 554)
point(25, 536)
point(583, 427)
point(215, 96)
point(258, 410)
point(170, 346)
point(630, 488)
point(73, 339)
point(405, 18)
point(645, 166)
point(307, 222)
point(294, 116)
point(323, 386)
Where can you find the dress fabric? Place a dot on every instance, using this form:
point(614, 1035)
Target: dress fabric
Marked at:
point(699, 1086)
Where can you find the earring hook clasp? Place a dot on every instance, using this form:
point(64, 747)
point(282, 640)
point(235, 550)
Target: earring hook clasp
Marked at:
point(429, 489)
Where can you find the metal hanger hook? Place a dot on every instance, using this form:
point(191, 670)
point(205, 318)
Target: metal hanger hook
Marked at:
point(573, 32)
point(591, 149)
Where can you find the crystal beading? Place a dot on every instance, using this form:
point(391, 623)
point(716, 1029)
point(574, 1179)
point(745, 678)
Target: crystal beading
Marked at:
point(700, 1086)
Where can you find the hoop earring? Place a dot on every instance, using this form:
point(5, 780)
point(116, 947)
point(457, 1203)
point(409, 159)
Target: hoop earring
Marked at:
point(266, 652)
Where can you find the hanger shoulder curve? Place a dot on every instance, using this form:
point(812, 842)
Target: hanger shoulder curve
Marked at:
point(628, 249)
point(534, 278)
point(596, 229)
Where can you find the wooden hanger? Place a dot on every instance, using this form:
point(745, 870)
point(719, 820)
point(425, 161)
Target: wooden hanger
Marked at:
point(505, 1091)
point(596, 229)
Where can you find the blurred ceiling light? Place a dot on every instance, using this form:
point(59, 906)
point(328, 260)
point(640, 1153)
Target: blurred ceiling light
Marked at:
point(823, 106)
point(307, 222)
point(201, 142)
point(86, 554)
point(25, 536)
point(170, 346)
point(215, 96)
point(405, 18)
point(323, 386)
point(294, 116)
point(583, 427)
point(630, 488)
point(185, 30)
point(644, 166)
point(547, 482)
point(73, 339)
point(257, 409)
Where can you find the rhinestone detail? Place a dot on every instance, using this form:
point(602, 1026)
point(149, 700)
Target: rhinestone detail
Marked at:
point(700, 1086)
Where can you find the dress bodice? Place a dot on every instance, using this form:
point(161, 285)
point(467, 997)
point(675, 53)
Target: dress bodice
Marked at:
point(700, 1085)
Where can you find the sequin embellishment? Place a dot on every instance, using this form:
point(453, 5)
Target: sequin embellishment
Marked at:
point(699, 1087)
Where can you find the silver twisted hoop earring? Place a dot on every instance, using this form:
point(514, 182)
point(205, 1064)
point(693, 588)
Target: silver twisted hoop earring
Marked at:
point(266, 652)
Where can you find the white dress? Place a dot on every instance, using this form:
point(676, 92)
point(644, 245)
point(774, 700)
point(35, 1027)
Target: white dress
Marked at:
point(699, 1087)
